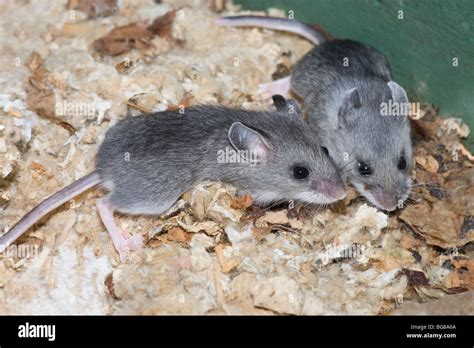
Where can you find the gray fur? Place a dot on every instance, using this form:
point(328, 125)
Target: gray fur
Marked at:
point(289, 106)
point(170, 152)
point(148, 161)
point(331, 92)
point(353, 125)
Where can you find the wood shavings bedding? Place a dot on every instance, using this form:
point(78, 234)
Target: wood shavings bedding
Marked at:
point(212, 253)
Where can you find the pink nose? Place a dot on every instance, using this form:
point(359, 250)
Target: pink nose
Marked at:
point(330, 188)
point(387, 200)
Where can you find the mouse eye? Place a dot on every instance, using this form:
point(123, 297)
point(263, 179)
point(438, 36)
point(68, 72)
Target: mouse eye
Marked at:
point(300, 172)
point(325, 150)
point(402, 163)
point(364, 169)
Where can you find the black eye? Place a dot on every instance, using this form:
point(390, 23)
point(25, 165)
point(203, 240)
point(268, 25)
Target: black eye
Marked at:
point(402, 163)
point(300, 172)
point(325, 150)
point(364, 169)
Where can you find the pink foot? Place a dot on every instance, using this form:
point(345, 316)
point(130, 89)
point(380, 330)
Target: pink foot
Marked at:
point(281, 86)
point(135, 243)
point(123, 243)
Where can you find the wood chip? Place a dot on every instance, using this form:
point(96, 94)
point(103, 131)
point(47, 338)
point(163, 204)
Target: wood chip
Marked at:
point(227, 264)
point(452, 280)
point(138, 107)
point(429, 163)
point(465, 152)
point(273, 217)
point(123, 66)
point(77, 29)
point(409, 243)
point(217, 5)
point(261, 232)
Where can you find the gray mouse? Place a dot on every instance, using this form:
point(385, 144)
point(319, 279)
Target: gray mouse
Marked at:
point(351, 102)
point(147, 162)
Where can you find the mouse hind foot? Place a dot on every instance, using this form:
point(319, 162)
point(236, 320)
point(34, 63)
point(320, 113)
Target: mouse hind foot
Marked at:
point(123, 242)
point(281, 86)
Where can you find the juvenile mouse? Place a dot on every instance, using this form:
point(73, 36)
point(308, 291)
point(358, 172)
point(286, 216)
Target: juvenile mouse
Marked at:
point(346, 88)
point(147, 162)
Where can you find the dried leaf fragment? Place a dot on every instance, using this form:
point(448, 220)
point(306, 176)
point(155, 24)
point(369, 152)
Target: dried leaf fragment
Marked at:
point(38, 168)
point(465, 268)
point(44, 104)
point(415, 278)
point(438, 224)
point(241, 202)
point(109, 285)
point(40, 97)
point(134, 35)
point(122, 39)
point(94, 8)
point(162, 25)
point(185, 102)
point(179, 235)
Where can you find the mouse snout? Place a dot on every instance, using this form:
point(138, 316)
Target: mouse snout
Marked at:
point(387, 200)
point(331, 188)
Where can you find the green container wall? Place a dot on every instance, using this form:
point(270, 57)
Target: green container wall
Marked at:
point(421, 47)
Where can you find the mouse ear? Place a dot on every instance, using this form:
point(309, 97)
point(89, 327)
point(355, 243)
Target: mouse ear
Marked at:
point(246, 139)
point(397, 93)
point(279, 101)
point(287, 105)
point(350, 103)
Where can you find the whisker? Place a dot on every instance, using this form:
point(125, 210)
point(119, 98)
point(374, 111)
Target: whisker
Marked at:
point(428, 186)
point(348, 162)
point(420, 194)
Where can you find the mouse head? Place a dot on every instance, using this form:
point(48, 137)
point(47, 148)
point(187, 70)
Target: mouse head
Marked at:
point(290, 162)
point(371, 143)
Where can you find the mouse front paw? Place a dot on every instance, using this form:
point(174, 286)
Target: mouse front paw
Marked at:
point(281, 87)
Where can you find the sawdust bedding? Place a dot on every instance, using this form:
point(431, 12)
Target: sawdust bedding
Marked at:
point(70, 71)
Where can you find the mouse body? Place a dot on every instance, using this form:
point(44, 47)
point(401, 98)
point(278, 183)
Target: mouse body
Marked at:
point(147, 162)
point(349, 98)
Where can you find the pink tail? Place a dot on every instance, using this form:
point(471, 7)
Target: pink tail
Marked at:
point(284, 24)
point(49, 204)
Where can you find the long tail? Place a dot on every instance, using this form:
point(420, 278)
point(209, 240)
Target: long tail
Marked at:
point(283, 24)
point(48, 205)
